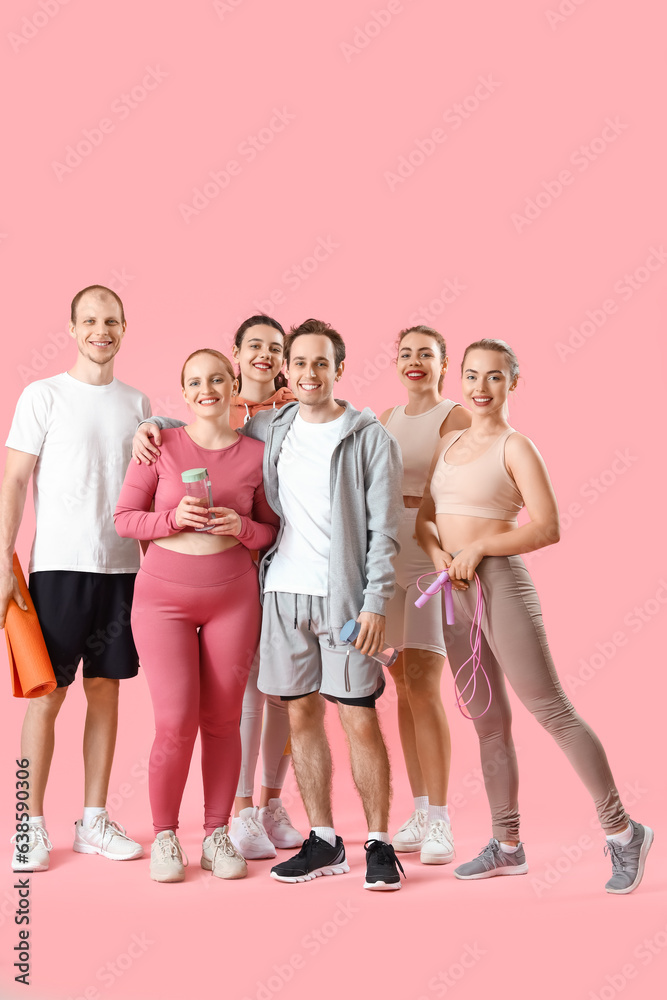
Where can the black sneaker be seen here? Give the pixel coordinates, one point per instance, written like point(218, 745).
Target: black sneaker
point(316, 857)
point(381, 866)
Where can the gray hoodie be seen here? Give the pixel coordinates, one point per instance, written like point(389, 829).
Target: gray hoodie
point(366, 506)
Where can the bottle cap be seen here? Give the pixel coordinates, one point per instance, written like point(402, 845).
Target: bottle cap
point(350, 631)
point(194, 475)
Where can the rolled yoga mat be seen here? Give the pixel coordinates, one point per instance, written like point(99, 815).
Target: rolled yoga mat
point(29, 664)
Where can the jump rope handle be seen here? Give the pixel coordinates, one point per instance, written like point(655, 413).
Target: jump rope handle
point(441, 580)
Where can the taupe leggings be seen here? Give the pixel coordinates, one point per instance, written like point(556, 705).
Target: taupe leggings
point(514, 644)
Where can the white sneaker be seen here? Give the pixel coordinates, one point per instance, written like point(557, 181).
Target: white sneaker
point(36, 858)
point(219, 855)
point(107, 838)
point(438, 846)
point(249, 836)
point(411, 835)
point(280, 831)
point(168, 862)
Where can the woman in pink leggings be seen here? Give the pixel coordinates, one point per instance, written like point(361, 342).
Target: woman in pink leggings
point(196, 610)
point(480, 479)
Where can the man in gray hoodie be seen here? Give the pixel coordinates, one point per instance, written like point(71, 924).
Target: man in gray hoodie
point(333, 474)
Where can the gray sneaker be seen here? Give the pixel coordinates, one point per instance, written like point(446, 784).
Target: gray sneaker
point(492, 860)
point(627, 863)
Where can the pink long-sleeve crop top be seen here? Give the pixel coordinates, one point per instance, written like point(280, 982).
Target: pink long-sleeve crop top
point(236, 476)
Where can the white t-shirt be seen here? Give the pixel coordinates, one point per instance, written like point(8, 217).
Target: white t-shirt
point(82, 435)
point(301, 562)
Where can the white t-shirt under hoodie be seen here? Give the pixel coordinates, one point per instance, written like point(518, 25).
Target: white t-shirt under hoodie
point(82, 435)
point(301, 562)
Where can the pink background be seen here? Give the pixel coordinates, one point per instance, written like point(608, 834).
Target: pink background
point(348, 115)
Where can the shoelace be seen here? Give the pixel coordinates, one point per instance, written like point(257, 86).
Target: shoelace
point(108, 826)
point(222, 842)
point(36, 833)
point(307, 847)
point(281, 817)
point(415, 823)
point(617, 861)
point(489, 855)
point(252, 827)
point(384, 855)
point(170, 849)
point(438, 831)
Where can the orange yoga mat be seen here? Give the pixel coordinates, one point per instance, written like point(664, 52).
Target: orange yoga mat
point(29, 663)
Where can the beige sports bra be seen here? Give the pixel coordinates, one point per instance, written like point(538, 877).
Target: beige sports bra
point(481, 488)
point(418, 437)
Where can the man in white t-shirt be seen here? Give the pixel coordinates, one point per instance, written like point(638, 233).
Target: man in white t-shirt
point(72, 433)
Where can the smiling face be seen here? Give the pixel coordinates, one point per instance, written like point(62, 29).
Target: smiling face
point(260, 356)
point(419, 363)
point(486, 380)
point(312, 369)
point(207, 385)
point(99, 327)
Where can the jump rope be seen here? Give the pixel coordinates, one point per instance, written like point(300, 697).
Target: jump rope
point(441, 582)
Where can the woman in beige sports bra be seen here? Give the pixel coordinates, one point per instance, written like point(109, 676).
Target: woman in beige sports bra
point(417, 634)
point(480, 479)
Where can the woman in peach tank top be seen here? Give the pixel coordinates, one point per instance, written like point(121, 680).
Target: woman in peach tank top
point(480, 479)
point(421, 366)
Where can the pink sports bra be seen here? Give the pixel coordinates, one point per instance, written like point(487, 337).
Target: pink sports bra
point(481, 488)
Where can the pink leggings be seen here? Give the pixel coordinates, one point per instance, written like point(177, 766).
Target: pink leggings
point(196, 622)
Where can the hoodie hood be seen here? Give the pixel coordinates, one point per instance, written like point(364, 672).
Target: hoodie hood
point(241, 410)
point(352, 420)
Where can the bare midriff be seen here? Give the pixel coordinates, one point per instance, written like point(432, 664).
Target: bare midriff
point(412, 501)
point(456, 531)
point(197, 543)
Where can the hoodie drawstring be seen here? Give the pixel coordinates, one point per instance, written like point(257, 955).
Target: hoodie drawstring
point(247, 414)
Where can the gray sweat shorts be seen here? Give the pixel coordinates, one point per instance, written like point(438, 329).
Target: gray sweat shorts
point(295, 657)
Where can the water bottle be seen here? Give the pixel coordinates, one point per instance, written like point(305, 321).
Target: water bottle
point(197, 484)
point(351, 630)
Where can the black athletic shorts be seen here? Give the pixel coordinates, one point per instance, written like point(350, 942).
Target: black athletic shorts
point(86, 616)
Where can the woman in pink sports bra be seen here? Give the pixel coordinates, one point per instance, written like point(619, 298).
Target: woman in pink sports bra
point(480, 478)
point(418, 426)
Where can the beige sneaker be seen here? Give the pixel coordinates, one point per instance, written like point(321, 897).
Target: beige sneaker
point(168, 862)
point(219, 855)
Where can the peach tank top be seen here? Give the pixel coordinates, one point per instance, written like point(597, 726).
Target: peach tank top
point(481, 488)
point(418, 437)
